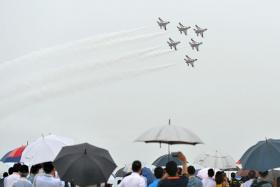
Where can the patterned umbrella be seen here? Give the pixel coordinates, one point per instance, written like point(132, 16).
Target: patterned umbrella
point(14, 155)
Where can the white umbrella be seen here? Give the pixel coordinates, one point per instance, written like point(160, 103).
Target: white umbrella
point(169, 134)
point(44, 149)
point(216, 160)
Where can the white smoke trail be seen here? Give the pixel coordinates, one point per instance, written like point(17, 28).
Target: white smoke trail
point(46, 93)
point(74, 70)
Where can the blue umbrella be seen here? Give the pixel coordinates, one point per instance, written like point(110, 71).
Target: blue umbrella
point(162, 160)
point(263, 156)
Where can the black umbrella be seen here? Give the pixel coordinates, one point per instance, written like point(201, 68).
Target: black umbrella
point(120, 172)
point(84, 164)
point(162, 160)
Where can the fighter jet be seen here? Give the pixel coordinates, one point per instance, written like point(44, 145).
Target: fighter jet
point(183, 29)
point(162, 24)
point(173, 44)
point(189, 61)
point(199, 31)
point(195, 45)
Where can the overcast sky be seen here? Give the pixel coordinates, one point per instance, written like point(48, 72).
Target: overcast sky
point(230, 99)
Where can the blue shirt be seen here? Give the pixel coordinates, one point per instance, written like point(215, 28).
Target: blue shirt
point(22, 182)
point(154, 183)
point(194, 182)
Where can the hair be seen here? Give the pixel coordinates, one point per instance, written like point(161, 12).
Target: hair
point(232, 175)
point(158, 172)
point(252, 174)
point(219, 178)
point(10, 170)
point(263, 173)
point(48, 167)
point(5, 174)
point(16, 167)
point(35, 169)
point(211, 172)
point(136, 166)
point(171, 168)
point(179, 171)
point(191, 170)
point(23, 170)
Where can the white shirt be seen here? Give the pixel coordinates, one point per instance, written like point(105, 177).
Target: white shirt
point(11, 179)
point(46, 180)
point(133, 180)
point(248, 183)
point(22, 182)
point(208, 182)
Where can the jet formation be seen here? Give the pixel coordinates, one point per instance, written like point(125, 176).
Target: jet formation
point(199, 31)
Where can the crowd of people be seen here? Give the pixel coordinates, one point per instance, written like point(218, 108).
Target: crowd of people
point(172, 175)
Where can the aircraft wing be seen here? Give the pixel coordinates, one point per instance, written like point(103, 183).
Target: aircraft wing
point(188, 57)
point(160, 19)
point(197, 27)
point(171, 40)
point(181, 24)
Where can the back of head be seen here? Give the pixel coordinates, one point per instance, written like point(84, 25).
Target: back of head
point(219, 178)
point(136, 166)
point(158, 172)
point(263, 174)
point(252, 174)
point(191, 170)
point(171, 168)
point(48, 167)
point(16, 167)
point(34, 169)
point(5, 174)
point(232, 175)
point(24, 170)
point(11, 171)
point(211, 172)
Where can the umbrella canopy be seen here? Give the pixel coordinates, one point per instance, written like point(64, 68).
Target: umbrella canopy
point(44, 149)
point(162, 160)
point(14, 155)
point(262, 156)
point(84, 164)
point(169, 134)
point(223, 162)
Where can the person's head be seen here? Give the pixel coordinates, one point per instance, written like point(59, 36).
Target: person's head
point(16, 167)
point(232, 175)
point(10, 171)
point(5, 174)
point(263, 174)
point(158, 172)
point(191, 170)
point(252, 174)
point(211, 173)
point(219, 178)
point(136, 166)
point(34, 169)
point(171, 168)
point(23, 170)
point(48, 167)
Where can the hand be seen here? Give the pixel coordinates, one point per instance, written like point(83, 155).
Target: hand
point(182, 157)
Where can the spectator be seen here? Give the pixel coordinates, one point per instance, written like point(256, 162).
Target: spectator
point(193, 180)
point(33, 172)
point(251, 178)
point(135, 179)
point(23, 182)
point(209, 181)
point(172, 179)
point(48, 178)
point(14, 177)
point(234, 182)
point(158, 172)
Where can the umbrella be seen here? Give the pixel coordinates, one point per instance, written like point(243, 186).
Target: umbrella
point(84, 164)
point(162, 160)
point(223, 162)
point(262, 156)
point(44, 149)
point(169, 134)
point(120, 172)
point(14, 155)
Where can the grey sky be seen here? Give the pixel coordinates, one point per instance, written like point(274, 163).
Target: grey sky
point(231, 98)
